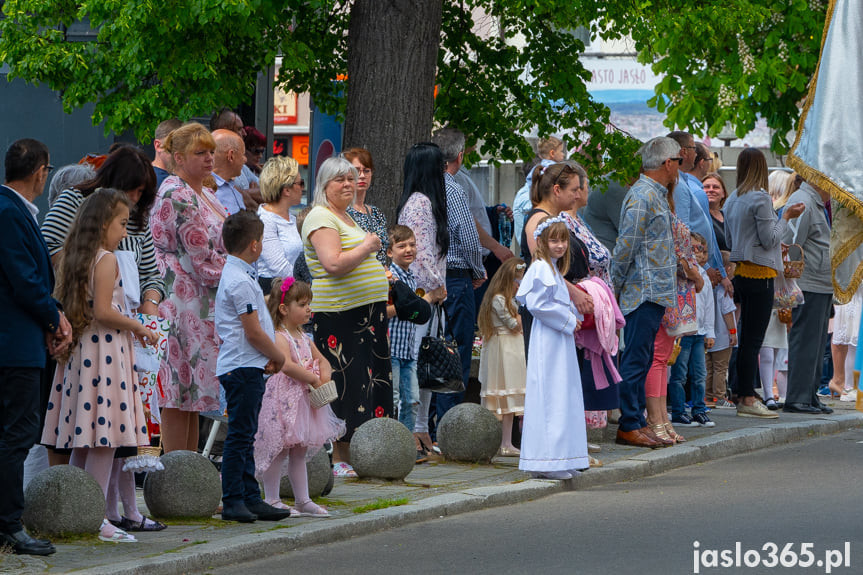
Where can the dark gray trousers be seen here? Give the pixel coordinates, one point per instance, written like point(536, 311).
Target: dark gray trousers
point(806, 347)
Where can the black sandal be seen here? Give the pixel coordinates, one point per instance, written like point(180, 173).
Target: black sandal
point(127, 524)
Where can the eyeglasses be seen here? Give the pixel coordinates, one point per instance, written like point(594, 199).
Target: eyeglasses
point(257, 151)
point(49, 167)
point(678, 160)
point(364, 171)
point(300, 183)
point(689, 147)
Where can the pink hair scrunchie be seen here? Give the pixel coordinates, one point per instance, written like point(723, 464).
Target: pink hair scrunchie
point(286, 285)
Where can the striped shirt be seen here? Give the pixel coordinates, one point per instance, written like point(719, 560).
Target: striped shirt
point(401, 331)
point(59, 219)
point(366, 283)
point(465, 251)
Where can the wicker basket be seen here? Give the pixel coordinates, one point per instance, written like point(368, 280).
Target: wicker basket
point(154, 450)
point(792, 259)
point(323, 395)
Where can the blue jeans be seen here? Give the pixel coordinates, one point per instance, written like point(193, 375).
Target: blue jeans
point(461, 309)
point(691, 361)
point(406, 390)
point(639, 334)
point(244, 389)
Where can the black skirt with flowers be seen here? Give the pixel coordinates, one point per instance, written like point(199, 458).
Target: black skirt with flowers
point(356, 344)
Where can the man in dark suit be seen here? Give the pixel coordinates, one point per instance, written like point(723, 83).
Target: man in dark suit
point(31, 323)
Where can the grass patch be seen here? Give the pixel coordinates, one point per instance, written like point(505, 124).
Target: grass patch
point(71, 538)
point(381, 504)
point(214, 521)
point(328, 502)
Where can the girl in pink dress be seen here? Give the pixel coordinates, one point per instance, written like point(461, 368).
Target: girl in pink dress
point(95, 406)
point(288, 426)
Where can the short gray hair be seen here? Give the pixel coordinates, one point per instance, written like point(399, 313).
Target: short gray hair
point(656, 151)
point(450, 141)
point(331, 169)
point(69, 177)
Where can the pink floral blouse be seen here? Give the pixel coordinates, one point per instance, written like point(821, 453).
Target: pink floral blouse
point(187, 233)
point(429, 267)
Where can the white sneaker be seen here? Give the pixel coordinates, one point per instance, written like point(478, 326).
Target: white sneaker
point(849, 396)
point(757, 409)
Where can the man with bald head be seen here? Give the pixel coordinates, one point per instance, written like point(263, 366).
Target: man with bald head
point(229, 160)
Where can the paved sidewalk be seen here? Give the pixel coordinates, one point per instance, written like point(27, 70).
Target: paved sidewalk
point(431, 490)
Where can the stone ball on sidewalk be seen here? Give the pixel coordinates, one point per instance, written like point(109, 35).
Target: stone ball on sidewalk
point(383, 448)
point(319, 472)
point(63, 499)
point(188, 487)
point(469, 432)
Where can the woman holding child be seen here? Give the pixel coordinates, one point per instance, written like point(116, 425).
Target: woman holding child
point(350, 295)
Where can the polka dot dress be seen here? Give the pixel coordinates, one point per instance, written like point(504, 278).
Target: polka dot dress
point(94, 399)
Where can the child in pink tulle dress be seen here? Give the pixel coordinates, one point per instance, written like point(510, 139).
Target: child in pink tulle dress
point(288, 426)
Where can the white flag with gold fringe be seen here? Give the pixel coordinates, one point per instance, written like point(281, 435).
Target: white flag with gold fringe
point(828, 149)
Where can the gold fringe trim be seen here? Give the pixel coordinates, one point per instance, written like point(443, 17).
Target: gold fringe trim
point(818, 178)
point(840, 294)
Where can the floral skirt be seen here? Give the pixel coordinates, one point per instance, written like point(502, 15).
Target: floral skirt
point(356, 344)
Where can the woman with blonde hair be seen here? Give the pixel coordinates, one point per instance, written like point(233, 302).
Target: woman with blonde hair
point(281, 187)
point(186, 222)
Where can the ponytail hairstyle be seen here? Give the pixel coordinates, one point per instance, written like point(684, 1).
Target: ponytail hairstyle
point(503, 283)
point(546, 177)
point(552, 229)
point(79, 254)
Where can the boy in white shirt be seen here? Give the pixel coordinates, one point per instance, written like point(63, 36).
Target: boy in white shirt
point(691, 360)
point(725, 328)
point(247, 352)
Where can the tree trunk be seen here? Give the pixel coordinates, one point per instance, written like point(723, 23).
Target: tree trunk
point(392, 60)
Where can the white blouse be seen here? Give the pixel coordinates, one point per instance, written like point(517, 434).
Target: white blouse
point(282, 245)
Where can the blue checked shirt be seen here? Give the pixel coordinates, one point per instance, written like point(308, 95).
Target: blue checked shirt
point(644, 265)
point(465, 251)
point(402, 332)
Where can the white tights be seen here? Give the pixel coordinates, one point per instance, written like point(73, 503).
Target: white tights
point(296, 473)
point(121, 487)
point(768, 363)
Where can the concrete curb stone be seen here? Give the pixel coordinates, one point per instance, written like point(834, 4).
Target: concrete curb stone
point(640, 464)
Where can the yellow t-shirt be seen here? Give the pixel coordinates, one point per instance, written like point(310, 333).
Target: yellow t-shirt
point(366, 283)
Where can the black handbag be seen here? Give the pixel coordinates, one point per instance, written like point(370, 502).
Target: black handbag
point(439, 364)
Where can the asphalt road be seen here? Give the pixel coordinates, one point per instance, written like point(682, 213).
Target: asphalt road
point(801, 498)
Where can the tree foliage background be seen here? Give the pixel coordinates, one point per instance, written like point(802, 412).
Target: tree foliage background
point(722, 61)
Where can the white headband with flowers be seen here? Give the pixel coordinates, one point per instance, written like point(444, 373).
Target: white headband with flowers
point(544, 224)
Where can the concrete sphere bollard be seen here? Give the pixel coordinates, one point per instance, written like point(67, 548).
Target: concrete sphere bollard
point(469, 432)
point(63, 500)
point(188, 487)
point(383, 448)
point(319, 473)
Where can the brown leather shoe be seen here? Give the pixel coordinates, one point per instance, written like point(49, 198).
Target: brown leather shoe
point(636, 438)
point(652, 435)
